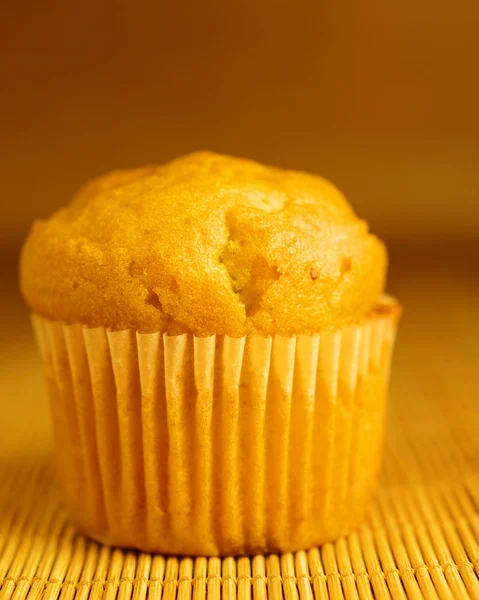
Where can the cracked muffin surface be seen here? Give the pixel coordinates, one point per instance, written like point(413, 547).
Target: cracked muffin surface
point(208, 244)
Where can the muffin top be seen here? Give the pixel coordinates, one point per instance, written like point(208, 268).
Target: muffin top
point(207, 244)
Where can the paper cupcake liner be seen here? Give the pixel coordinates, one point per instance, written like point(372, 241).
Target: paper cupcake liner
point(217, 445)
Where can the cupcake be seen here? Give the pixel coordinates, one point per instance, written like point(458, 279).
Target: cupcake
point(216, 344)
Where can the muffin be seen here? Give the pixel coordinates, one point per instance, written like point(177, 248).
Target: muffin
point(216, 344)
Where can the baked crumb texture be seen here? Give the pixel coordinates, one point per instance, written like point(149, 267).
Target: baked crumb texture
point(208, 244)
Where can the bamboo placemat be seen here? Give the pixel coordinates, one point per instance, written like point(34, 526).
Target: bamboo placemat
point(421, 535)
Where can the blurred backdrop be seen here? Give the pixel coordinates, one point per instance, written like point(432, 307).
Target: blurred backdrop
point(380, 97)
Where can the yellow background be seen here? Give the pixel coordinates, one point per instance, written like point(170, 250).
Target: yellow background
point(380, 97)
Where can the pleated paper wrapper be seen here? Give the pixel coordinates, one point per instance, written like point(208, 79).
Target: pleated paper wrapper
point(217, 445)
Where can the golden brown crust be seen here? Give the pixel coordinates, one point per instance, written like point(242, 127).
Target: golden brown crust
point(205, 243)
